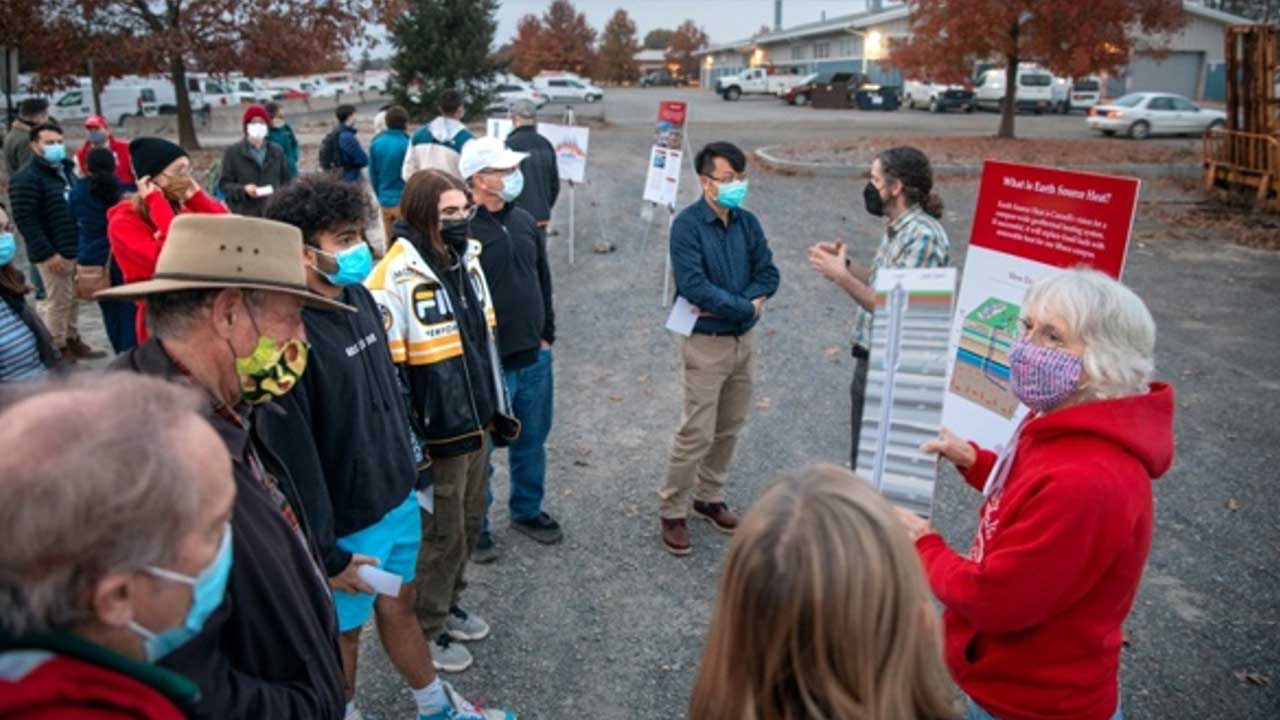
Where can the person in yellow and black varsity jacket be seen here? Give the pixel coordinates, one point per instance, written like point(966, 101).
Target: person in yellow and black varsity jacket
point(440, 322)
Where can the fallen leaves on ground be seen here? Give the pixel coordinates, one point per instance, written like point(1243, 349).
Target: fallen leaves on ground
point(1213, 220)
point(973, 149)
point(764, 404)
point(1254, 678)
point(1234, 505)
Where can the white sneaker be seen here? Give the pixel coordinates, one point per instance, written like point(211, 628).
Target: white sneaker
point(462, 625)
point(463, 710)
point(450, 656)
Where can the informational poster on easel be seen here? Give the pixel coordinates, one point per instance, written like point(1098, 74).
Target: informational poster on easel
point(906, 384)
point(662, 181)
point(570, 143)
point(1030, 221)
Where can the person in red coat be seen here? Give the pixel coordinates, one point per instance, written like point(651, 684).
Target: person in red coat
point(138, 225)
point(91, 606)
point(1034, 611)
point(100, 137)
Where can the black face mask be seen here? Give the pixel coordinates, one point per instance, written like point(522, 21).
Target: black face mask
point(874, 201)
point(454, 234)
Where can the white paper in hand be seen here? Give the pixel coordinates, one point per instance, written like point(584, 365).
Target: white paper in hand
point(682, 318)
point(384, 582)
point(427, 501)
point(265, 190)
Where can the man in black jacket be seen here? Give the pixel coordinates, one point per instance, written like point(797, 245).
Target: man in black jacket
point(253, 168)
point(38, 194)
point(515, 263)
point(541, 175)
point(346, 439)
point(270, 650)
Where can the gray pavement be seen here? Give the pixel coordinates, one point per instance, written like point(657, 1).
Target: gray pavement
point(607, 625)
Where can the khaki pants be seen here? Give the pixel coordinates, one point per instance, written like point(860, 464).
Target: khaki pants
point(389, 217)
point(60, 308)
point(717, 397)
point(449, 536)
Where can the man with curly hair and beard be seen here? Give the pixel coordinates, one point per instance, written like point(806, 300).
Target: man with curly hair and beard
point(348, 444)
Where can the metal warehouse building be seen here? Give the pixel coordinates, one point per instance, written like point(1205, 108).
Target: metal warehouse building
point(1194, 65)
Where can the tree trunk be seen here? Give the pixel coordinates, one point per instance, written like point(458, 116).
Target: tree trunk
point(1009, 107)
point(95, 88)
point(186, 125)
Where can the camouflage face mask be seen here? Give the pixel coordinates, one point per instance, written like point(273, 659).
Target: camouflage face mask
point(270, 370)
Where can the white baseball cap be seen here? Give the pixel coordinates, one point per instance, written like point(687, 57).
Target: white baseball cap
point(487, 152)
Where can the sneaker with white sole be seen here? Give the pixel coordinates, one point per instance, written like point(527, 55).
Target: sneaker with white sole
point(450, 656)
point(462, 625)
point(460, 709)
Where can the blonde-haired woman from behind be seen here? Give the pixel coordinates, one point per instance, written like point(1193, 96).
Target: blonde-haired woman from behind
point(823, 613)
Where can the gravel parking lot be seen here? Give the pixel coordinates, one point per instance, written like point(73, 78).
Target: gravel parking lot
point(608, 625)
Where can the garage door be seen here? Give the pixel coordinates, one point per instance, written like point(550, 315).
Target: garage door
point(1177, 72)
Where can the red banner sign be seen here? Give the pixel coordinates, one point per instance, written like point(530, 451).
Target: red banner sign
point(673, 112)
point(1057, 217)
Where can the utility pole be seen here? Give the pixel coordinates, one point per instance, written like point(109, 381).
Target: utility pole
point(777, 15)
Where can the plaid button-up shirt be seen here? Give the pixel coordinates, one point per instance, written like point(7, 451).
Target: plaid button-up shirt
point(915, 240)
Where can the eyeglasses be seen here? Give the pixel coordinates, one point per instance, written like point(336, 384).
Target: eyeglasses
point(458, 213)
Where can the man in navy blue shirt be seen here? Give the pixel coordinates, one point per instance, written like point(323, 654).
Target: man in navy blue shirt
point(723, 266)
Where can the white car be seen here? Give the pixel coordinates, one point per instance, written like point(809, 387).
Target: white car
point(509, 91)
point(246, 91)
point(565, 87)
point(1141, 115)
point(937, 97)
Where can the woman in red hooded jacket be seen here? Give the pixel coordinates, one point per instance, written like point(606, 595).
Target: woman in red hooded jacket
point(1034, 610)
point(138, 225)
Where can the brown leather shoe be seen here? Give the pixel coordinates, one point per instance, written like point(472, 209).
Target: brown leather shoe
point(77, 349)
point(675, 536)
point(718, 514)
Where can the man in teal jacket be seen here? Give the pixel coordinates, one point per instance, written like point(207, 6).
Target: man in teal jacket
point(386, 157)
point(281, 134)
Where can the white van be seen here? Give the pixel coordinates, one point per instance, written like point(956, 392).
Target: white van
point(1086, 93)
point(567, 87)
point(119, 103)
point(206, 93)
point(246, 91)
point(1034, 92)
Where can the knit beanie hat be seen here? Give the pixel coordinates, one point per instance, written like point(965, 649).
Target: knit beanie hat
point(151, 155)
point(255, 112)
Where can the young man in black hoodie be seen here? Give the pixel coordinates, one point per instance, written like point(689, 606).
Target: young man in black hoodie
point(346, 438)
point(515, 263)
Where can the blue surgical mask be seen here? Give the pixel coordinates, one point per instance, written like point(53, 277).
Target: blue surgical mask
point(207, 591)
point(731, 194)
point(354, 265)
point(98, 137)
point(512, 186)
point(8, 248)
point(54, 154)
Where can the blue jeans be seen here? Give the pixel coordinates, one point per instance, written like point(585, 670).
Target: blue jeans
point(532, 393)
point(974, 712)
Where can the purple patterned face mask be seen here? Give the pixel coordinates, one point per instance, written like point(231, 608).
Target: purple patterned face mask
point(1043, 377)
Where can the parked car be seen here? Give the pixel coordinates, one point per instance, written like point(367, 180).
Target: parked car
point(937, 97)
point(246, 91)
point(206, 93)
point(1034, 91)
point(119, 101)
point(567, 87)
point(1141, 115)
point(755, 81)
point(800, 93)
point(1085, 93)
point(510, 90)
point(661, 78)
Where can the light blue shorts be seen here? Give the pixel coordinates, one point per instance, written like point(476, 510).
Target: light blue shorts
point(394, 541)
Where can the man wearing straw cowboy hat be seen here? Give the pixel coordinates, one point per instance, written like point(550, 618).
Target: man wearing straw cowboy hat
point(225, 312)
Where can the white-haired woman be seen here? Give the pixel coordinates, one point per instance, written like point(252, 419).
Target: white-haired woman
point(1034, 611)
point(114, 548)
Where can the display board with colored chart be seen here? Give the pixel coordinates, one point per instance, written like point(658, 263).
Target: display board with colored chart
point(1029, 222)
point(906, 383)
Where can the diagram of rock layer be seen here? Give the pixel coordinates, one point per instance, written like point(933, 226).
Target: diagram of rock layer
point(981, 372)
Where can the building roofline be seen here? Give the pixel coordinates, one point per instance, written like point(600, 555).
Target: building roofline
point(1212, 14)
point(820, 27)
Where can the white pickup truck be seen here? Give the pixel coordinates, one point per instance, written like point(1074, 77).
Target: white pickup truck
point(755, 81)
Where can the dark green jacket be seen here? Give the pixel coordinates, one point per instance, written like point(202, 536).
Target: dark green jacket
point(288, 142)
